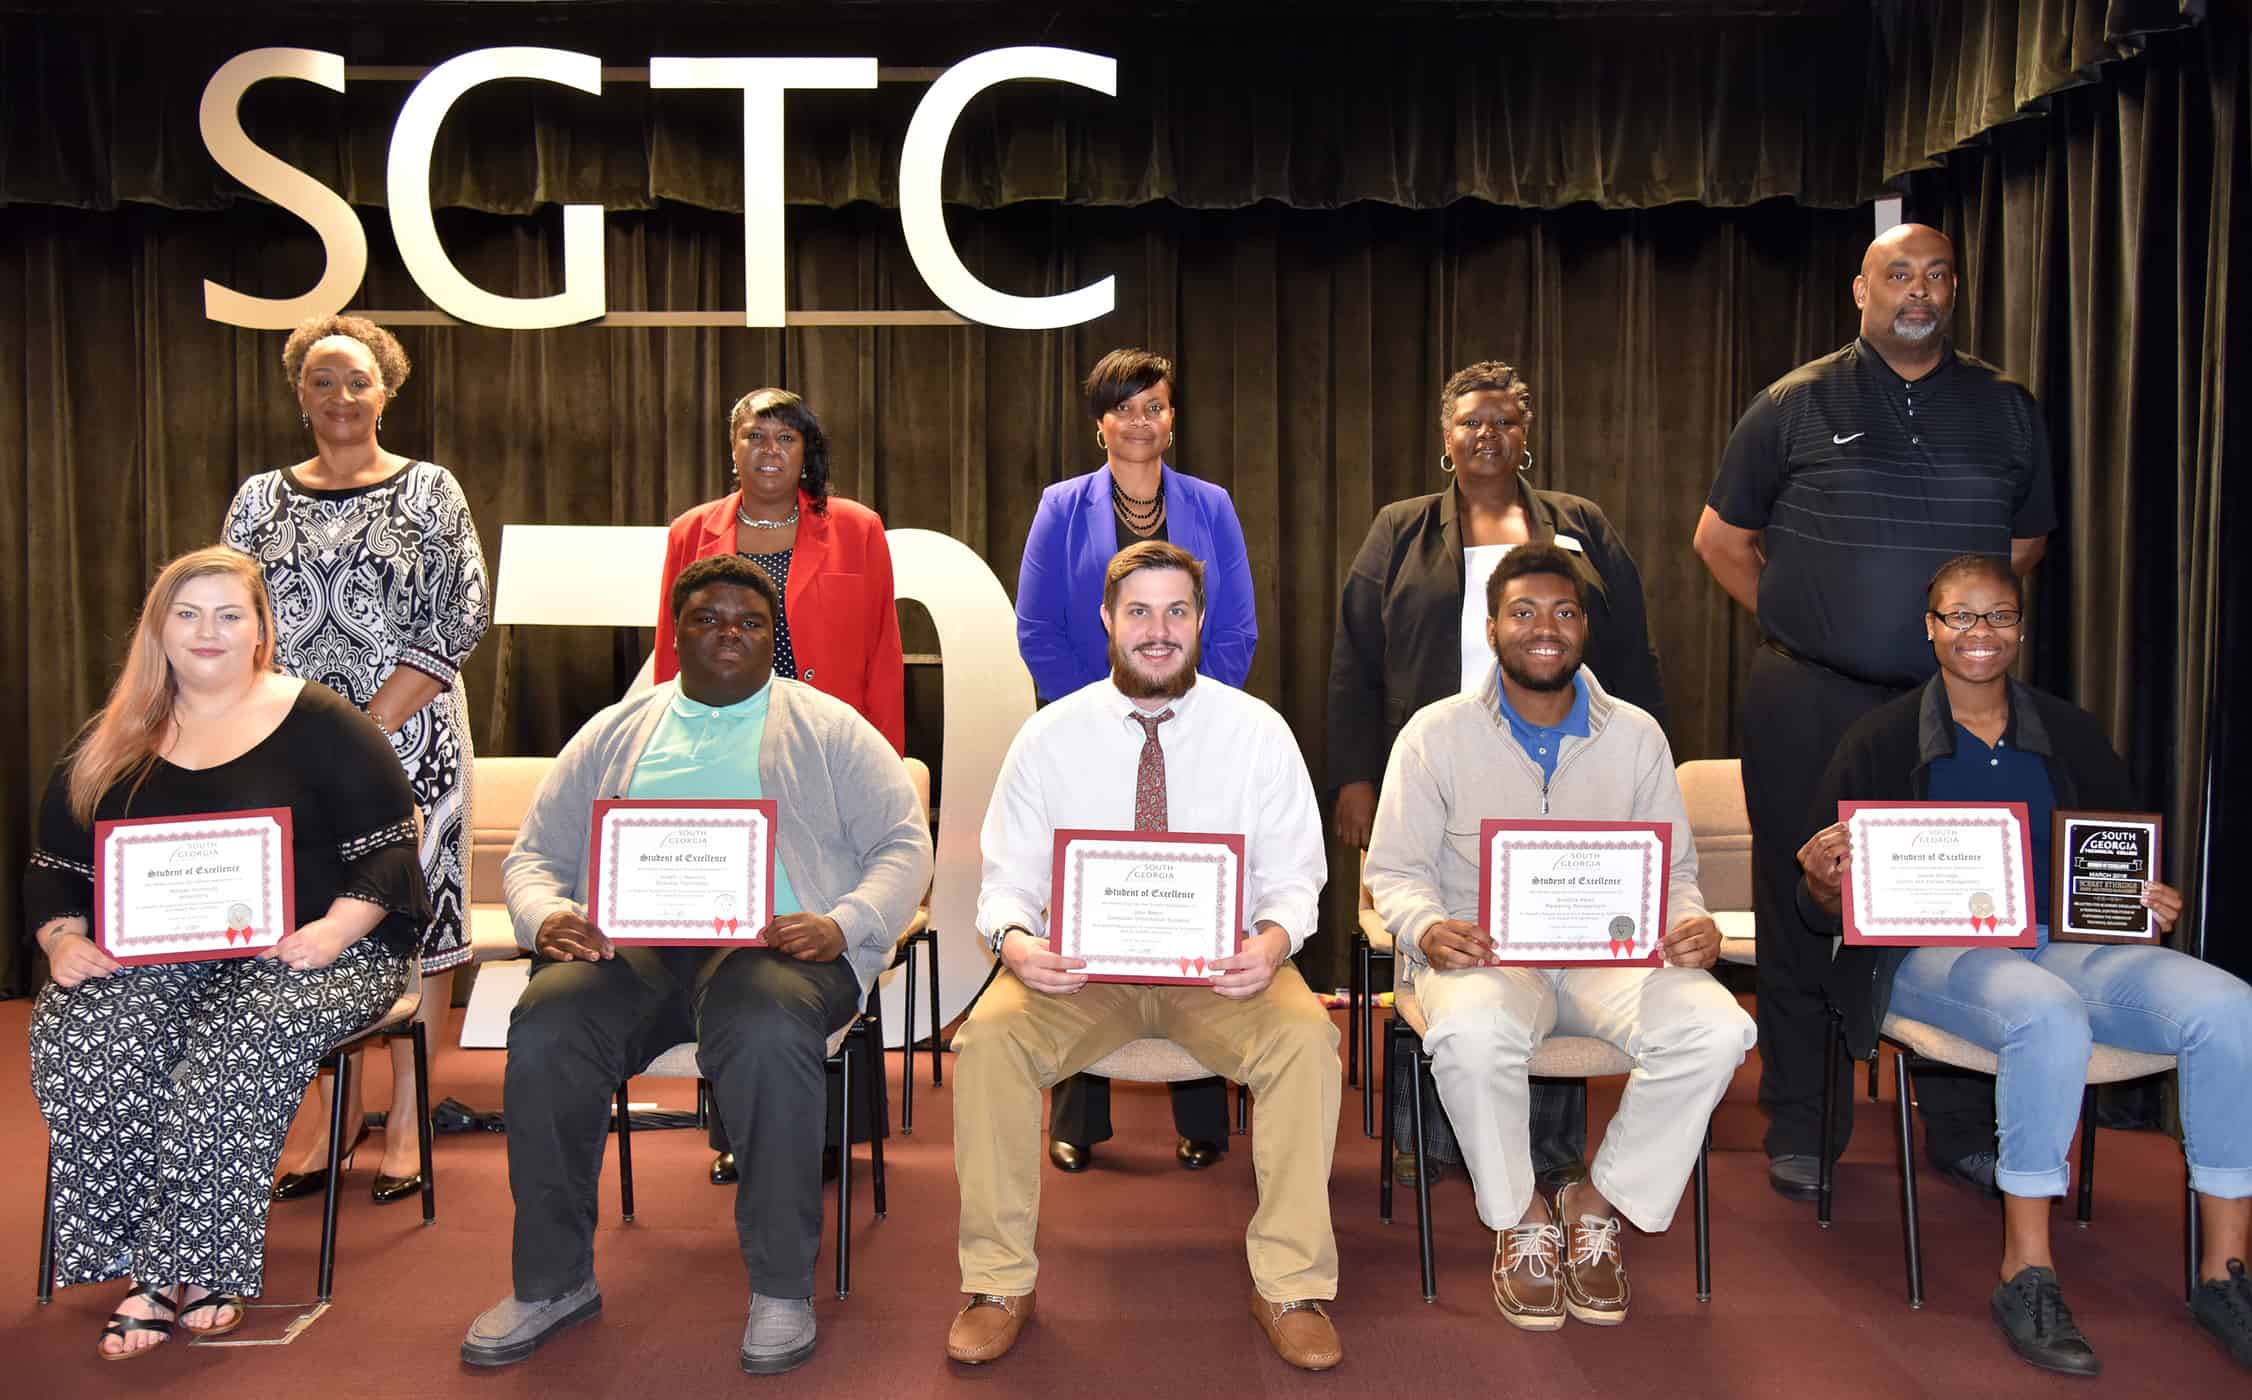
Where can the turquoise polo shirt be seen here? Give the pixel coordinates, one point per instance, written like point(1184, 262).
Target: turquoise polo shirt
point(711, 751)
point(1542, 743)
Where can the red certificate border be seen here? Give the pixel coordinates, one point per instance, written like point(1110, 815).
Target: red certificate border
point(1661, 876)
point(1222, 940)
point(604, 806)
point(104, 872)
point(2018, 886)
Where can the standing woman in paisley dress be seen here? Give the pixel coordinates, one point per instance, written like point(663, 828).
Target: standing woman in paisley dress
point(379, 594)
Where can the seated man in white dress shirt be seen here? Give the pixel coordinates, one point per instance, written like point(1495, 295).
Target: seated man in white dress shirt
point(1154, 747)
point(1543, 739)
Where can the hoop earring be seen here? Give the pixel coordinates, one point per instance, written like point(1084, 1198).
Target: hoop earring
point(1524, 468)
point(1099, 440)
point(1446, 463)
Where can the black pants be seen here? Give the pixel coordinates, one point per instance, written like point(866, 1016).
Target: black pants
point(1079, 1110)
point(1794, 716)
point(761, 1021)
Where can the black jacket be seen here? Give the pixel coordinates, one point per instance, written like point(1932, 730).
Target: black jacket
point(1887, 756)
point(1399, 625)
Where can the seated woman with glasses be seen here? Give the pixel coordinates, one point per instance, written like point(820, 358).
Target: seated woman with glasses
point(1972, 734)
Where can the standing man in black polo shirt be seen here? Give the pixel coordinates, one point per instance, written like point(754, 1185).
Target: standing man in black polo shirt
point(1845, 484)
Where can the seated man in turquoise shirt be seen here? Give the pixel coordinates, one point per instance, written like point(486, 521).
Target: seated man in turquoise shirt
point(853, 859)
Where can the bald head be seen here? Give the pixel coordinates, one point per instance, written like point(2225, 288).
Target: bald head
point(1906, 292)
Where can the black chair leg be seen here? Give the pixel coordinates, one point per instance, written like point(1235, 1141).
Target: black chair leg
point(938, 1073)
point(1384, 1140)
point(1704, 1219)
point(422, 1122)
point(907, 1048)
point(873, 1084)
point(871, 1064)
point(1828, 1167)
point(843, 1063)
point(2086, 1205)
point(1911, 1233)
point(341, 1096)
point(1872, 1079)
point(1372, 1091)
point(47, 1237)
point(1354, 994)
point(625, 1153)
point(1242, 1108)
point(1416, 1060)
point(2193, 1244)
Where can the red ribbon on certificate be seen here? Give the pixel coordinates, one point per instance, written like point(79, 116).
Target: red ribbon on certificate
point(1989, 921)
point(726, 926)
point(1622, 947)
point(235, 933)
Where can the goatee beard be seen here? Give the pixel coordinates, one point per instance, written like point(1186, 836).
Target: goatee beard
point(1135, 686)
point(1562, 681)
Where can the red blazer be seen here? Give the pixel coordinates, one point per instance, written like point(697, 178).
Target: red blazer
point(843, 627)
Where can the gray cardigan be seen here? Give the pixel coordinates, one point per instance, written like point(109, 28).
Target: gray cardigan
point(852, 837)
point(1456, 764)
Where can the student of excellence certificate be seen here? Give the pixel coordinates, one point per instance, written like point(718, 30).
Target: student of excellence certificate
point(1574, 893)
point(1932, 874)
point(1147, 906)
point(682, 872)
point(179, 889)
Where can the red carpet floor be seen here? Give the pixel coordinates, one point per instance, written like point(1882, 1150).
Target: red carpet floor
point(1143, 1290)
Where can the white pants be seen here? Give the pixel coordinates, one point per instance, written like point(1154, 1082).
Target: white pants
point(1684, 1030)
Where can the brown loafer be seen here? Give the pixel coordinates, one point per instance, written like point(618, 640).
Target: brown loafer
point(987, 1326)
point(1595, 1286)
point(1528, 1276)
point(1301, 1333)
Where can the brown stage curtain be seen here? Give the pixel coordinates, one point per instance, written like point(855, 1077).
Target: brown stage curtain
point(1311, 346)
point(1957, 69)
point(2107, 260)
point(1220, 113)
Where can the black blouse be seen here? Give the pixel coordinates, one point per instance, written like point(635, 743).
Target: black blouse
point(351, 819)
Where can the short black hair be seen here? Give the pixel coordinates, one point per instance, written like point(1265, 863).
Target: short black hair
point(1538, 558)
point(792, 411)
point(1988, 566)
point(1120, 375)
point(1485, 374)
point(724, 568)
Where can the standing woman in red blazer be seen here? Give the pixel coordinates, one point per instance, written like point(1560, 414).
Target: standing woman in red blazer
point(839, 632)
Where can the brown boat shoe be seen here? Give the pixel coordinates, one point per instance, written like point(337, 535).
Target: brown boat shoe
point(1528, 1276)
point(987, 1326)
point(1300, 1332)
point(1595, 1286)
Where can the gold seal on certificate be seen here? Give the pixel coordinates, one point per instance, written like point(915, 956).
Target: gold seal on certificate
point(1574, 894)
point(2103, 860)
point(177, 889)
point(685, 872)
point(1936, 874)
point(1147, 906)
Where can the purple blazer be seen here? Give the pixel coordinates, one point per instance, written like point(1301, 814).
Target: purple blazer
point(1060, 583)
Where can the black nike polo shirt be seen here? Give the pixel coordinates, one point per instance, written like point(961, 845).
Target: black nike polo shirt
point(1864, 483)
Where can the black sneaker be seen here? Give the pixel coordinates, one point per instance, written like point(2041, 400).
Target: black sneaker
point(1975, 1170)
point(2224, 1308)
point(2030, 1311)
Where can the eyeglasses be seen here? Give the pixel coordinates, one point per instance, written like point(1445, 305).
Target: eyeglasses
point(1962, 619)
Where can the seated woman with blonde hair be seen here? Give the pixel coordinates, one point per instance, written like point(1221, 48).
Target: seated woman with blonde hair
point(169, 1086)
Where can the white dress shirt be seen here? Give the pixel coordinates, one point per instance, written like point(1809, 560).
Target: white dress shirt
point(1231, 766)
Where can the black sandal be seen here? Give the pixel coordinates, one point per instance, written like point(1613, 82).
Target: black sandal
point(121, 1325)
point(216, 1302)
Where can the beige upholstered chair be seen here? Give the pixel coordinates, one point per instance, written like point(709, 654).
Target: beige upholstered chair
point(1713, 791)
point(1558, 1057)
point(501, 794)
point(1154, 1060)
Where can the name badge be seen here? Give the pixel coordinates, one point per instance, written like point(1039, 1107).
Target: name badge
point(1567, 542)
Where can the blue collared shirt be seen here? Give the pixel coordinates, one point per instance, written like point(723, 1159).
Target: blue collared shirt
point(2003, 772)
point(1542, 744)
point(706, 751)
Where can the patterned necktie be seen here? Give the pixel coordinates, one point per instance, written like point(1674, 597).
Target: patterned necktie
point(1149, 776)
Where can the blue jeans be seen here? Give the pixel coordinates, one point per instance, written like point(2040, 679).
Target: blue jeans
point(2039, 1009)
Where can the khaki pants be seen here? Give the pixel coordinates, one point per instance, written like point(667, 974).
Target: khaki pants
point(1281, 1043)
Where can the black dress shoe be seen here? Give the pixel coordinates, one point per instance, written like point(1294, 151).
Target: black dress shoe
point(293, 1185)
point(1070, 1157)
point(723, 1169)
point(1796, 1175)
point(2030, 1311)
point(395, 1188)
point(1196, 1156)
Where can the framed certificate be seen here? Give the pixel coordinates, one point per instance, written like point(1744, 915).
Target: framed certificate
point(1147, 906)
point(1939, 875)
point(682, 872)
point(1574, 894)
point(2101, 862)
point(179, 889)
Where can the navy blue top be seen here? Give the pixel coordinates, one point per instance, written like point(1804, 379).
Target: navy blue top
point(2002, 772)
point(1543, 742)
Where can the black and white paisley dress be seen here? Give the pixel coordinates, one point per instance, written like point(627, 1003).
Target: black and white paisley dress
point(367, 579)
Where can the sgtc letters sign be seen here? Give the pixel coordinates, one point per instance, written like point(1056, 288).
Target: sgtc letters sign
point(764, 83)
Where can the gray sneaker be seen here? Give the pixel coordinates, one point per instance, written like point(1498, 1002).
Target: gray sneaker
point(778, 1336)
point(513, 1329)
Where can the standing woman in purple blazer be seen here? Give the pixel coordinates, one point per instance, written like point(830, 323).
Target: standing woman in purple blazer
point(1082, 522)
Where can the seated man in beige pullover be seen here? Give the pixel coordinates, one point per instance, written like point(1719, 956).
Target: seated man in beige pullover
point(1543, 739)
